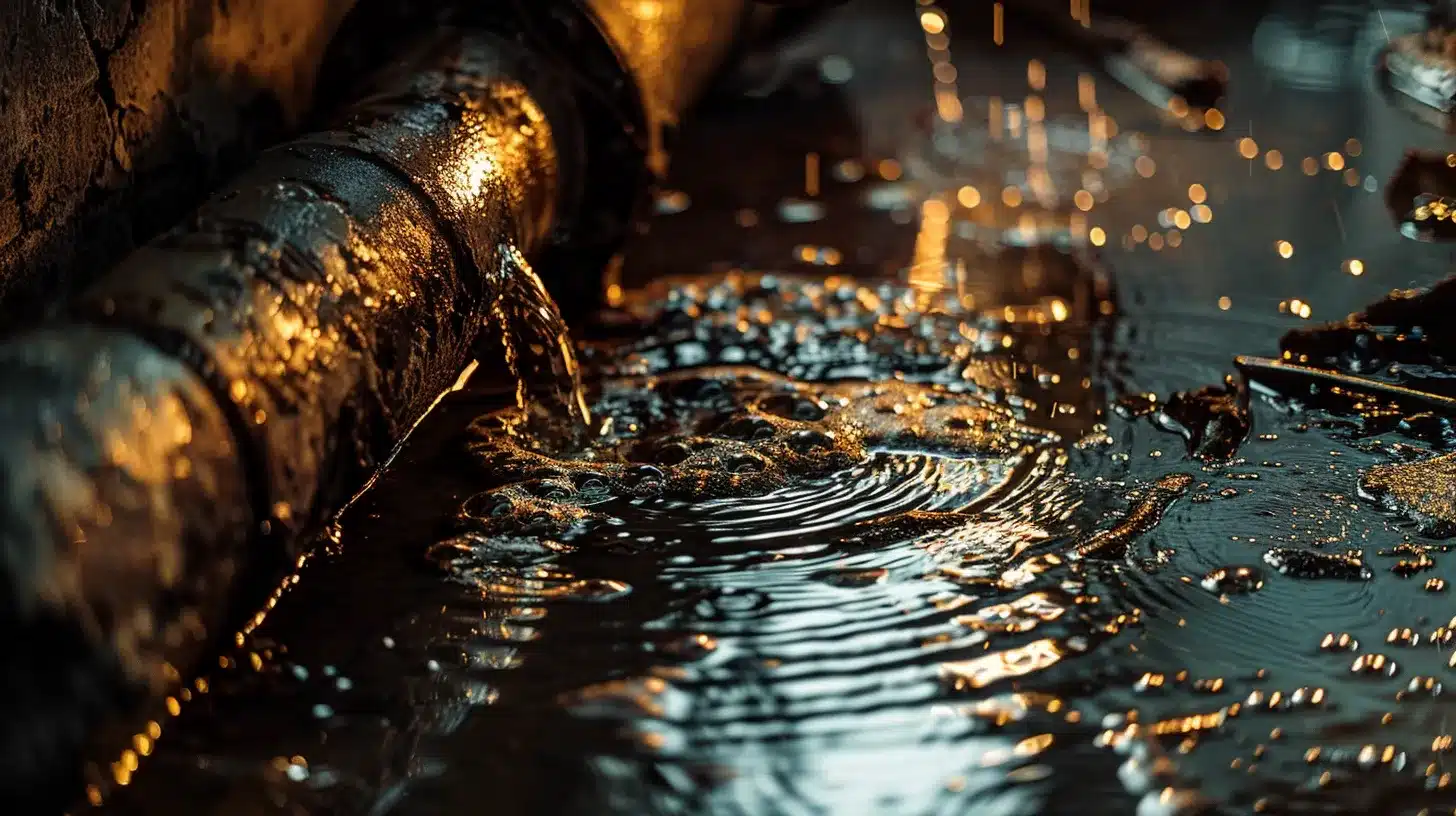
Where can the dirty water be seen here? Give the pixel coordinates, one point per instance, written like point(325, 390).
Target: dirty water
point(1003, 530)
point(830, 548)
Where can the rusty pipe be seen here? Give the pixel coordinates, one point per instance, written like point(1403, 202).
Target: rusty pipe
point(167, 443)
point(230, 384)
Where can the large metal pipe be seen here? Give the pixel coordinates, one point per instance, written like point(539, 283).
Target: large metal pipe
point(229, 386)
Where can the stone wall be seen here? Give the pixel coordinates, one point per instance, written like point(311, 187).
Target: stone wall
point(117, 116)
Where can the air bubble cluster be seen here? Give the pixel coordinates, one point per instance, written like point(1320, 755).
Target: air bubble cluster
point(722, 432)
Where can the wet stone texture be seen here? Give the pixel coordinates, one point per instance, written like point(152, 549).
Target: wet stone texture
point(158, 101)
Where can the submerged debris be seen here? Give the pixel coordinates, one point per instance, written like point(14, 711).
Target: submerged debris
point(1301, 563)
point(1213, 421)
point(746, 384)
point(1423, 177)
point(719, 432)
point(1406, 328)
point(1144, 516)
point(1233, 580)
point(1424, 491)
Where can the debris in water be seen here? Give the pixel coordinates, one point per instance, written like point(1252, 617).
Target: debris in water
point(1213, 421)
point(1430, 218)
point(1374, 665)
point(759, 432)
point(1425, 491)
point(1233, 580)
point(1143, 517)
point(1421, 174)
point(1301, 563)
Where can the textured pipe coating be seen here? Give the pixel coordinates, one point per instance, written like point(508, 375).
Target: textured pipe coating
point(242, 374)
point(124, 519)
point(336, 288)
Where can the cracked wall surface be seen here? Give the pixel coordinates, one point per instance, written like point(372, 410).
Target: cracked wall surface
point(117, 116)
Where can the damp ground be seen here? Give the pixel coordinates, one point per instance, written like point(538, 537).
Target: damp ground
point(897, 496)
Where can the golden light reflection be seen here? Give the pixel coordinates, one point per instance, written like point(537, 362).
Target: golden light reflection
point(1285, 249)
point(1197, 194)
point(1224, 303)
point(612, 280)
point(1038, 148)
point(473, 173)
point(928, 268)
point(1295, 307)
point(1274, 160)
point(1248, 148)
point(932, 21)
point(1355, 267)
point(969, 197)
point(1086, 92)
point(1035, 108)
point(979, 672)
point(1214, 119)
point(948, 104)
point(1334, 161)
point(1031, 746)
point(1082, 12)
point(1097, 236)
point(998, 24)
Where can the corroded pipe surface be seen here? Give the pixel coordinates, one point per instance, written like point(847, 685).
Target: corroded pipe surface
point(125, 513)
point(235, 380)
point(169, 439)
point(335, 289)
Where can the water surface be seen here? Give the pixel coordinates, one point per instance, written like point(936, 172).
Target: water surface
point(888, 501)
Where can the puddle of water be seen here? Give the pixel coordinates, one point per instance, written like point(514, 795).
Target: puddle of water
point(851, 545)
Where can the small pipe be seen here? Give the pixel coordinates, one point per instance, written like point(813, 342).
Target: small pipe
point(1282, 379)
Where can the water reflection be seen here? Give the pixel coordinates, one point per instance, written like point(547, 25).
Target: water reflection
point(847, 544)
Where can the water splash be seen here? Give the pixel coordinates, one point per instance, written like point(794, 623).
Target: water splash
point(538, 349)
